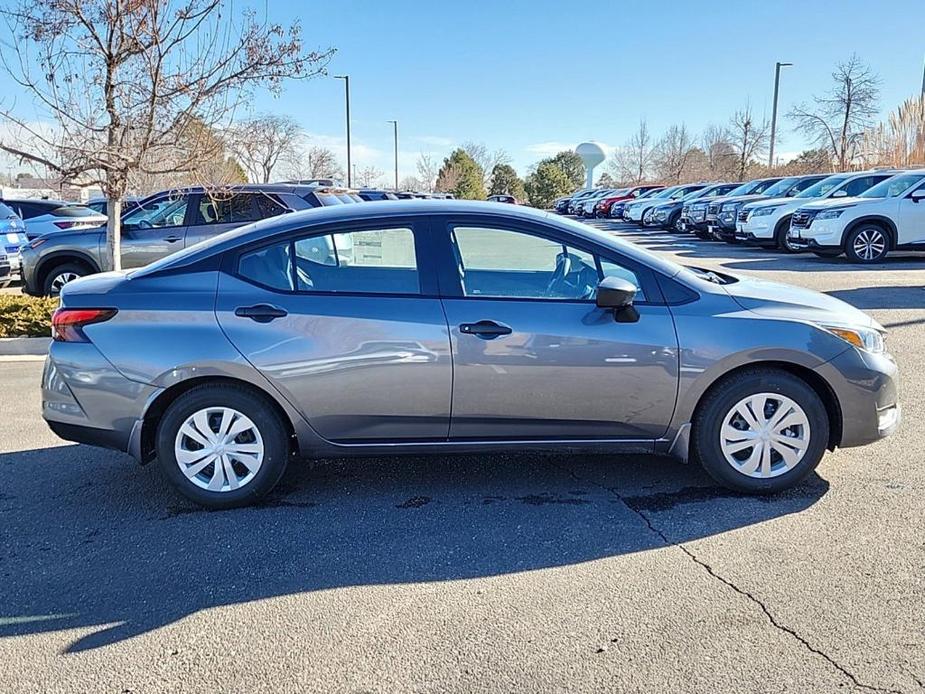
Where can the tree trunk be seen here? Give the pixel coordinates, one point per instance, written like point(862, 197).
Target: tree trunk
point(114, 233)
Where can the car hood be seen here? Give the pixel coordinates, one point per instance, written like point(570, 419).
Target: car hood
point(778, 300)
point(838, 202)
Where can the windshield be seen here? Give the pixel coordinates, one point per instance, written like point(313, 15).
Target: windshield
point(743, 189)
point(665, 193)
point(6, 212)
point(651, 193)
point(779, 189)
point(700, 192)
point(893, 187)
point(817, 190)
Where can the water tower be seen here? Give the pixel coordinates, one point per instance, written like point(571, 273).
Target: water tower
point(591, 154)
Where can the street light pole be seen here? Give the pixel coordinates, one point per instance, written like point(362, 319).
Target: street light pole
point(777, 67)
point(395, 128)
point(346, 79)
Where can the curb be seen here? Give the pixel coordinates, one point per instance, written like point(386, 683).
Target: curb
point(24, 346)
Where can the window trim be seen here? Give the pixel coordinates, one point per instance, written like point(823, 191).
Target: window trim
point(451, 285)
point(418, 225)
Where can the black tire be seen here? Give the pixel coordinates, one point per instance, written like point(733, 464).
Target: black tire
point(674, 223)
point(780, 237)
point(867, 243)
point(721, 399)
point(258, 410)
point(51, 286)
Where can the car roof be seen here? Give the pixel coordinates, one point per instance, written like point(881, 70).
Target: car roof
point(50, 204)
point(293, 221)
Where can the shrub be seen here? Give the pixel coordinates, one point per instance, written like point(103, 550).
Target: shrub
point(26, 316)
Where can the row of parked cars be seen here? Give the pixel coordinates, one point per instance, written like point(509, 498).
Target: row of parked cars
point(863, 214)
point(49, 243)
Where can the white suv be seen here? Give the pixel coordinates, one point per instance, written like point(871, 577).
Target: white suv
point(890, 216)
point(766, 222)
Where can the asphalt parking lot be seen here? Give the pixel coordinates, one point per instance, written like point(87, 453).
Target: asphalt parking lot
point(478, 573)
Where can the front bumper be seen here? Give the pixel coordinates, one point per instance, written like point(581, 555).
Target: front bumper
point(821, 233)
point(866, 389)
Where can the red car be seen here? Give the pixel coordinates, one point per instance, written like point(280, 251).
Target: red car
point(602, 208)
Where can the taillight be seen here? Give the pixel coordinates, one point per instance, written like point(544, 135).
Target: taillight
point(67, 324)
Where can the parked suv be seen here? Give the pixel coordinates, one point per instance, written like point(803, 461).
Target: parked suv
point(766, 222)
point(12, 237)
point(889, 216)
point(162, 224)
point(668, 214)
point(603, 206)
point(636, 212)
point(48, 216)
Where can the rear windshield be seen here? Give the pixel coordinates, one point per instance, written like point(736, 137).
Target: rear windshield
point(817, 190)
point(328, 200)
point(893, 187)
point(73, 211)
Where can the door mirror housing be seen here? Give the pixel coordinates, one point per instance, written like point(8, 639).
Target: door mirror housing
point(918, 195)
point(617, 295)
point(840, 194)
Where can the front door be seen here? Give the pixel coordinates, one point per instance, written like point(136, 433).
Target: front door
point(912, 218)
point(347, 325)
point(535, 358)
point(154, 230)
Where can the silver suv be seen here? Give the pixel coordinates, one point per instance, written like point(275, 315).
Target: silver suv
point(160, 225)
point(441, 326)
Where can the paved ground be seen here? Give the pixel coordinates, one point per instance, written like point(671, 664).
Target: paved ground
point(515, 573)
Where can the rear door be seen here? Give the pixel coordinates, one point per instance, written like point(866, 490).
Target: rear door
point(534, 357)
point(220, 211)
point(345, 321)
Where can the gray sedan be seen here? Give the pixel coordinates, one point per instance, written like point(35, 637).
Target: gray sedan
point(442, 326)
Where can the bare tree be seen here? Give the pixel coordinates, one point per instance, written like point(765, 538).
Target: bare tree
point(720, 155)
point(413, 183)
point(748, 137)
point(137, 87)
point(486, 159)
point(427, 173)
point(837, 121)
point(672, 153)
point(369, 176)
point(900, 141)
point(633, 162)
point(261, 143)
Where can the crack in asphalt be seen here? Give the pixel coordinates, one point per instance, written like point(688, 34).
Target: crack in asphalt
point(741, 591)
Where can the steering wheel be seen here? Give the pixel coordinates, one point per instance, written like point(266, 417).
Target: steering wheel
point(563, 268)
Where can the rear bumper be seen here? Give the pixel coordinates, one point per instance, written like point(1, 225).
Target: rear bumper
point(85, 399)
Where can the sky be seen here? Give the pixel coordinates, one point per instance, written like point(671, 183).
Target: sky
point(534, 77)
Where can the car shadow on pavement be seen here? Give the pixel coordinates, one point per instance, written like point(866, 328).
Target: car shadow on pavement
point(867, 298)
point(90, 541)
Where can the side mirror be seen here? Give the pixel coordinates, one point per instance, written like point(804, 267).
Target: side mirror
point(617, 295)
point(918, 195)
point(840, 194)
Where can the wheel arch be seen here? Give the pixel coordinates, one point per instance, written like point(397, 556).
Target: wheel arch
point(159, 404)
point(809, 376)
point(881, 221)
point(58, 258)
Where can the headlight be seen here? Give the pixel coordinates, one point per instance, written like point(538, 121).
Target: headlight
point(730, 207)
point(764, 211)
point(830, 214)
point(868, 339)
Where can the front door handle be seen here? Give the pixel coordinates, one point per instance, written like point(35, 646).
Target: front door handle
point(173, 239)
point(262, 313)
point(486, 329)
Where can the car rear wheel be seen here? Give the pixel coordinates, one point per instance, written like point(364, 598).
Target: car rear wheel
point(868, 243)
point(760, 431)
point(61, 275)
point(222, 446)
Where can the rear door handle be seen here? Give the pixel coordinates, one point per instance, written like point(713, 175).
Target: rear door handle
point(262, 313)
point(173, 239)
point(486, 329)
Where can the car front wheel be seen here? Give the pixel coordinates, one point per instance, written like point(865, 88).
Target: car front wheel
point(760, 431)
point(61, 275)
point(868, 243)
point(222, 446)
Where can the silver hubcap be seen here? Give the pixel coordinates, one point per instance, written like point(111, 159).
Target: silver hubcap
point(60, 280)
point(765, 435)
point(869, 244)
point(219, 449)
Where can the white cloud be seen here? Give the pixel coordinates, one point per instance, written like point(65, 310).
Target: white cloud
point(547, 149)
point(432, 140)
